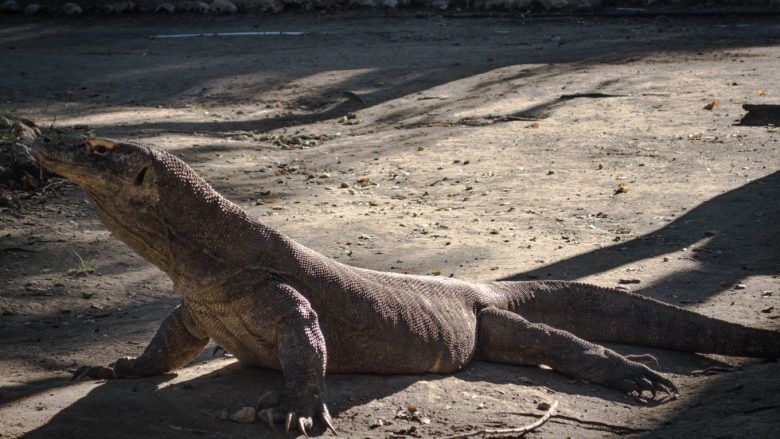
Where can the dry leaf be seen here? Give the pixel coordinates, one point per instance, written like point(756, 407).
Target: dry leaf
point(711, 105)
point(762, 92)
point(621, 189)
point(533, 125)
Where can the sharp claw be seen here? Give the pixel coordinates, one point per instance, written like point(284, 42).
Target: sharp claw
point(302, 427)
point(269, 417)
point(288, 424)
point(327, 420)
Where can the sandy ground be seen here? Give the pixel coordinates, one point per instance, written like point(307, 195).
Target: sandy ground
point(480, 148)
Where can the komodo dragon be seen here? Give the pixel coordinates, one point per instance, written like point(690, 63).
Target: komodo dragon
point(274, 303)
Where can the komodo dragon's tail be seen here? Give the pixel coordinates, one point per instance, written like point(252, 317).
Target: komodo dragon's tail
point(608, 315)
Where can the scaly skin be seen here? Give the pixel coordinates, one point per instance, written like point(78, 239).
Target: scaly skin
point(274, 303)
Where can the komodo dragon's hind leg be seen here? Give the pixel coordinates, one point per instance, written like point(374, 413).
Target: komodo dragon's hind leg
point(506, 337)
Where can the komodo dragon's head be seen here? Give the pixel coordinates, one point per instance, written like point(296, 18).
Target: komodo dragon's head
point(103, 168)
point(137, 191)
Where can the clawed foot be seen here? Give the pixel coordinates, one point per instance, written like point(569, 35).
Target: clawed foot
point(88, 373)
point(638, 378)
point(122, 367)
point(301, 419)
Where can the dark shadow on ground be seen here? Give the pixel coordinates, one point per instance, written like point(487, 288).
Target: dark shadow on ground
point(742, 404)
point(760, 115)
point(138, 409)
point(746, 237)
point(420, 54)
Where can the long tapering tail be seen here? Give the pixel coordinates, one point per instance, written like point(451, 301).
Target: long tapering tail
point(608, 315)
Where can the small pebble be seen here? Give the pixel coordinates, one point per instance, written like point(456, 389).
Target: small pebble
point(165, 8)
point(71, 9)
point(32, 9)
point(223, 7)
point(245, 415)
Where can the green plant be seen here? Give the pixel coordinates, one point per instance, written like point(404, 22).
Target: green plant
point(84, 267)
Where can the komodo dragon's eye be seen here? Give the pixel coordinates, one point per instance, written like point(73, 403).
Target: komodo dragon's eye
point(100, 147)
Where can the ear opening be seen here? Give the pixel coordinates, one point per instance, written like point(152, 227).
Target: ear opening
point(139, 178)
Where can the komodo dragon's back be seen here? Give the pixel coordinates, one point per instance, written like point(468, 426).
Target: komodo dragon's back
point(273, 302)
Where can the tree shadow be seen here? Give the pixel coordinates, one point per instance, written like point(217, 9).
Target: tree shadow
point(732, 405)
point(745, 234)
point(379, 64)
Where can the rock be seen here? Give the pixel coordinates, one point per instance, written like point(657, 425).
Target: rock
point(32, 9)
point(245, 415)
point(9, 7)
point(440, 4)
point(223, 7)
point(185, 6)
point(22, 157)
point(273, 6)
point(120, 7)
point(200, 7)
point(24, 133)
point(71, 9)
point(165, 8)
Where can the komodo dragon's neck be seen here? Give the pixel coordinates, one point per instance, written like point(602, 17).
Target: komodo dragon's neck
point(199, 238)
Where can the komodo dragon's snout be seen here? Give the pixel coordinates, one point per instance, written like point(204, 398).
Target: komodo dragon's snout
point(272, 302)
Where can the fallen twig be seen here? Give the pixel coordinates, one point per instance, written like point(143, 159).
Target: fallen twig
point(603, 426)
point(713, 370)
point(516, 430)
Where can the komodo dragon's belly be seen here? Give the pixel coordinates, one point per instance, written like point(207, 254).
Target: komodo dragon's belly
point(398, 325)
point(239, 333)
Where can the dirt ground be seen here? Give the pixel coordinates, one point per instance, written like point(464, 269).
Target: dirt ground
point(480, 147)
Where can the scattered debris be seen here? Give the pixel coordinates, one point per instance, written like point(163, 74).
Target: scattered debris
point(711, 106)
point(621, 189)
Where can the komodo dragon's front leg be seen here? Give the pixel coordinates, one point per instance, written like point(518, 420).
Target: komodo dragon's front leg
point(302, 356)
point(506, 337)
point(176, 343)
